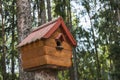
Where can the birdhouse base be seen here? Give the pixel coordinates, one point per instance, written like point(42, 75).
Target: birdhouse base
point(46, 67)
point(45, 57)
point(47, 61)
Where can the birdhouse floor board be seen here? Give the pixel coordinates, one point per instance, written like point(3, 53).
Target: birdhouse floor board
point(48, 66)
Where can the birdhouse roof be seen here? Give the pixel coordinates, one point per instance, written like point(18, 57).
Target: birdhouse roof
point(46, 30)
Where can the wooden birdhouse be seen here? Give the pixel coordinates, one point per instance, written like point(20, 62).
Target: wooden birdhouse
point(49, 46)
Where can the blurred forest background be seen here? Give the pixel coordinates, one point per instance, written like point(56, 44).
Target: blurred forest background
point(95, 25)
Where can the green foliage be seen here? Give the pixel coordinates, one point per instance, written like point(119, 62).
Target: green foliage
point(10, 30)
point(64, 75)
point(60, 7)
point(114, 50)
point(101, 36)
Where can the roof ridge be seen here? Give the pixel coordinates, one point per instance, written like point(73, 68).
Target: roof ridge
point(43, 25)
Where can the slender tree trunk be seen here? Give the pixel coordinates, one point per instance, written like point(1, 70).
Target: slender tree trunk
point(3, 53)
point(118, 13)
point(38, 11)
point(12, 58)
point(3, 45)
point(41, 12)
point(13, 48)
point(75, 65)
point(96, 51)
point(49, 10)
point(69, 18)
point(33, 13)
point(73, 70)
point(24, 27)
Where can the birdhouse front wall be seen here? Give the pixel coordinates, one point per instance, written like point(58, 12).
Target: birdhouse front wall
point(45, 52)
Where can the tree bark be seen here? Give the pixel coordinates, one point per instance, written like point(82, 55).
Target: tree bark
point(23, 18)
point(69, 17)
point(75, 65)
point(49, 10)
point(24, 28)
point(13, 44)
point(41, 12)
point(46, 75)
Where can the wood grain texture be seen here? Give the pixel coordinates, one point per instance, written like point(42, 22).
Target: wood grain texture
point(46, 60)
point(34, 62)
point(58, 53)
point(50, 42)
point(66, 62)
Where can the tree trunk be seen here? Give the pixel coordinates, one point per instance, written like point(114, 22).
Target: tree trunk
point(96, 51)
point(46, 75)
point(13, 45)
point(75, 65)
point(118, 13)
point(69, 17)
point(49, 10)
point(24, 27)
point(12, 58)
point(71, 73)
point(23, 18)
point(3, 45)
point(41, 12)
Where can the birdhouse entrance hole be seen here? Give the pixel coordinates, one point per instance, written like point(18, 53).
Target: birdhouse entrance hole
point(58, 43)
point(59, 39)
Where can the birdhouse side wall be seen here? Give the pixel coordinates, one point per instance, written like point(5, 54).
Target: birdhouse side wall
point(58, 57)
point(31, 53)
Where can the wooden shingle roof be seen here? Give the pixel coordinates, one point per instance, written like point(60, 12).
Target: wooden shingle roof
point(46, 30)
